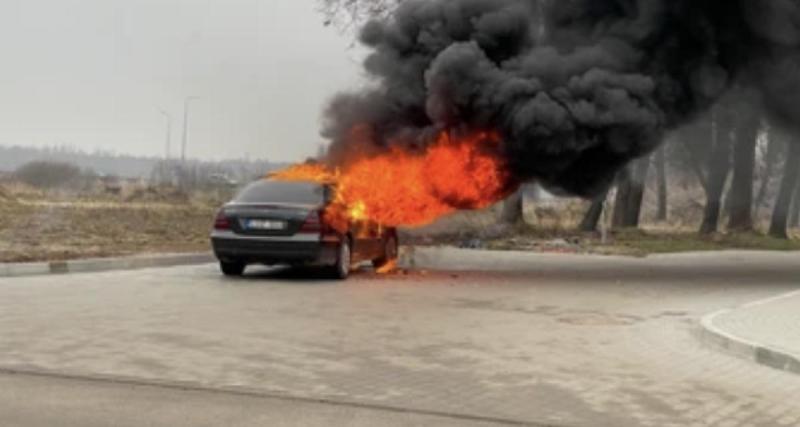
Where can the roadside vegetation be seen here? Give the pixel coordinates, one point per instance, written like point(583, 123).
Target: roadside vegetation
point(53, 211)
point(93, 217)
point(54, 204)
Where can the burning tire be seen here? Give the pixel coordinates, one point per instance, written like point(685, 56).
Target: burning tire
point(389, 258)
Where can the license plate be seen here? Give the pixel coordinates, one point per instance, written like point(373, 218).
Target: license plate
point(265, 224)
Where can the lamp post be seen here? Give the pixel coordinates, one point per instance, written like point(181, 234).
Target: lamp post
point(186, 103)
point(168, 146)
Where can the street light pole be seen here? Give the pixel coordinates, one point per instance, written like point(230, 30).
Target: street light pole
point(186, 103)
point(168, 147)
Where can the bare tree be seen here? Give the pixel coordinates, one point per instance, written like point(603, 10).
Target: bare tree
point(773, 151)
point(740, 194)
point(592, 218)
point(622, 195)
point(718, 168)
point(794, 215)
point(634, 209)
point(661, 172)
point(780, 216)
point(630, 194)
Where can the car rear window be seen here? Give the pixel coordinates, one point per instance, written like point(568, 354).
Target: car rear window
point(300, 193)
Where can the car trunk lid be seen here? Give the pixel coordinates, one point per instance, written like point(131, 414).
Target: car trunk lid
point(268, 219)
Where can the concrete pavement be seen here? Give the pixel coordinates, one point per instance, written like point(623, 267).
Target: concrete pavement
point(47, 401)
point(94, 265)
point(570, 342)
point(766, 331)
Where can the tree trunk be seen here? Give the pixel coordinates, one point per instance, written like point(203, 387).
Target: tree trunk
point(744, 161)
point(794, 217)
point(593, 215)
point(719, 165)
point(770, 161)
point(780, 216)
point(695, 163)
point(630, 194)
point(633, 211)
point(661, 170)
point(624, 180)
point(512, 209)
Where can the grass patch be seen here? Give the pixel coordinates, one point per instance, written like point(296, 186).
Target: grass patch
point(640, 242)
point(44, 230)
point(633, 242)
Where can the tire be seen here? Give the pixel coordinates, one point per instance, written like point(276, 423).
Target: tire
point(232, 269)
point(390, 252)
point(344, 257)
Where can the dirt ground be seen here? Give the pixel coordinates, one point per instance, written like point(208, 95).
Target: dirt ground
point(38, 227)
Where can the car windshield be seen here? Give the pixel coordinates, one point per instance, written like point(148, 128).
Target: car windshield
point(301, 193)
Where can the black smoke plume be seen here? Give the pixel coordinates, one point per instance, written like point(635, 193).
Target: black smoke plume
point(576, 88)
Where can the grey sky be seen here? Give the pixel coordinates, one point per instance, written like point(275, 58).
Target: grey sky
point(94, 73)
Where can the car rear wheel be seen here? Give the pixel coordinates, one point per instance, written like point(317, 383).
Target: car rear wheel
point(344, 259)
point(234, 269)
point(390, 252)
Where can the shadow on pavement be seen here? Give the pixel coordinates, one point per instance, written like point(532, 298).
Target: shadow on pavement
point(301, 275)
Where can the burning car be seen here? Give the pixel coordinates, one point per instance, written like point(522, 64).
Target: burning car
point(275, 222)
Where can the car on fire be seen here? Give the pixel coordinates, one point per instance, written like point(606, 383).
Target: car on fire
point(273, 222)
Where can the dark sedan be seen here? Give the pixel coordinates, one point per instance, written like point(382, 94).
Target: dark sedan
point(282, 223)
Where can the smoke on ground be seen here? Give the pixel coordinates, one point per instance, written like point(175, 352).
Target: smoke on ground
point(576, 88)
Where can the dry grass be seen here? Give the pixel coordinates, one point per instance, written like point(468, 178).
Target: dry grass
point(654, 241)
point(36, 226)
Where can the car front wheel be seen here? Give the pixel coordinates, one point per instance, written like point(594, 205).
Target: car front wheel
point(233, 269)
point(343, 260)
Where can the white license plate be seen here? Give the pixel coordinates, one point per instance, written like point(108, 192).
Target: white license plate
point(265, 224)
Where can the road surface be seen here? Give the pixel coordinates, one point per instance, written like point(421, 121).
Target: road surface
point(184, 346)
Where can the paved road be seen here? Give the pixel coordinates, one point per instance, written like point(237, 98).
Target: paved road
point(48, 401)
point(773, 322)
point(549, 347)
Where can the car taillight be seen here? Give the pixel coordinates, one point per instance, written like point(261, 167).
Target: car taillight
point(222, 222)
point(312, 224)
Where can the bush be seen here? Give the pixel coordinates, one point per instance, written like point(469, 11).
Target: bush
point(49, 175)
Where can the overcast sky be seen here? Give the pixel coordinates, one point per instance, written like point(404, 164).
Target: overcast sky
point(93, 74)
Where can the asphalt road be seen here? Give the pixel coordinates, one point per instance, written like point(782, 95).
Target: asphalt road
point(183, 346)
point(47, 401)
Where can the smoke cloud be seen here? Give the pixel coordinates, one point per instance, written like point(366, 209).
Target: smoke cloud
point(575, 88)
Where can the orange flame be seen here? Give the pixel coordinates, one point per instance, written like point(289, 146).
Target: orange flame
point(404, 187)
point(389, 267)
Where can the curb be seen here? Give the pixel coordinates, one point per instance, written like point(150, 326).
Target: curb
point(459, 259)
point(95, 265)
point(751, 350)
